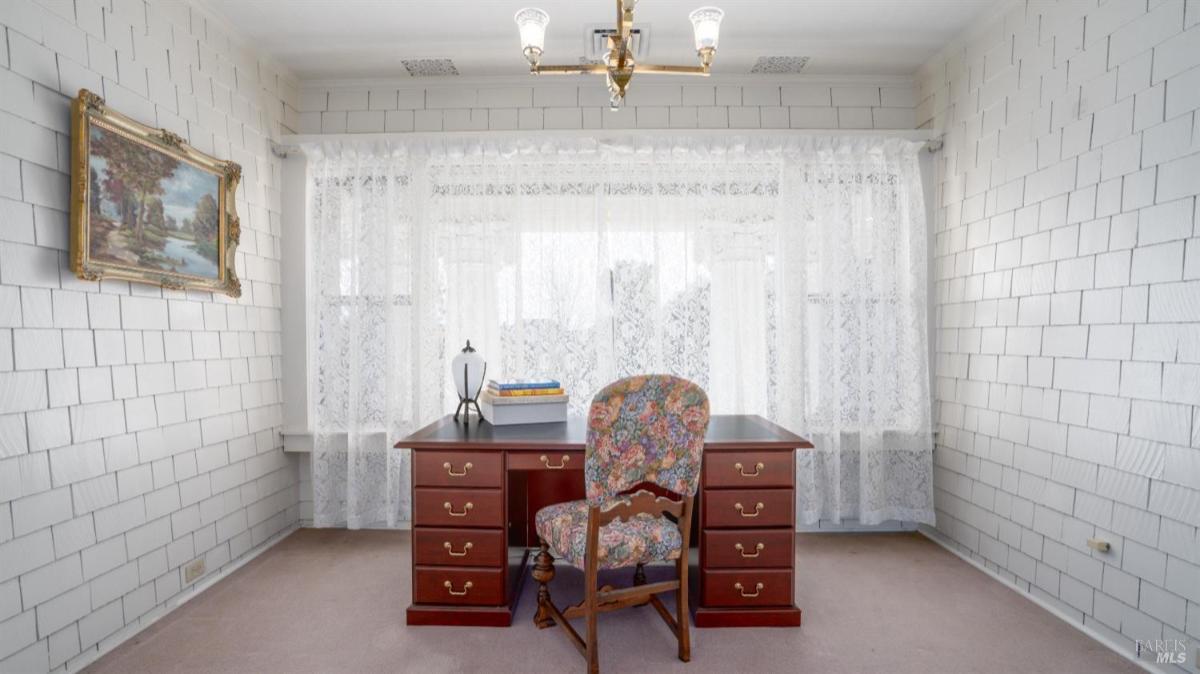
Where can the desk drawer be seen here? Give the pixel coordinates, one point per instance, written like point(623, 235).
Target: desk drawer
point(749, 469)
point(458, 507)
point(549, 460)
point(459, 547)
point(458, 469)
point(758, 548)
point(448, 585)
point(751, 587)
point(748, 508)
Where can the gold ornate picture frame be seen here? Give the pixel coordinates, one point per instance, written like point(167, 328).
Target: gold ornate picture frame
point(148, 207)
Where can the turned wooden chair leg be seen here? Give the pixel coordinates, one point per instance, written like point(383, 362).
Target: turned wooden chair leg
point(543, 573)
point(593, 642)
point(681, 611)
point(591, 587)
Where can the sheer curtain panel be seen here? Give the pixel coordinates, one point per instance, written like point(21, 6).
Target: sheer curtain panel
point(786, 275)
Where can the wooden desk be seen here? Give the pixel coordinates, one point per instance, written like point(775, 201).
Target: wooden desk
point(477, 488)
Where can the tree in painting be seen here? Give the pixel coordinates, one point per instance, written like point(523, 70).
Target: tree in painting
point(94, 192)
point(140, 172)
point(151, 210)
point(205, 224)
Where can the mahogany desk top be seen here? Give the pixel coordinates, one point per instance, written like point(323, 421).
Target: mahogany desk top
point(725, 431)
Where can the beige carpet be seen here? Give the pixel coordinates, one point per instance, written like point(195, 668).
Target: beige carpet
point(334, 600)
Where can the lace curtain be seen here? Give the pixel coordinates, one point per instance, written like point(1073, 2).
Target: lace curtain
point(786, 275)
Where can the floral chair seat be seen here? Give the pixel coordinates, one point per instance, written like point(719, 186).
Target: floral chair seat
point(641, 540)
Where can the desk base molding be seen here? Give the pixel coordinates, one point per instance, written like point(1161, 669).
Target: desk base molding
point(460, 616)
point(746, 617)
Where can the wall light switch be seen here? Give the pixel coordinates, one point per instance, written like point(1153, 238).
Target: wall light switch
point(193, 571)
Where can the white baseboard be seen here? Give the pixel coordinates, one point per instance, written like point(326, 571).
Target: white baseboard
point(937, 537)
point(400, 526)
point(823, 528)
point(130, 631)
point(853, 527)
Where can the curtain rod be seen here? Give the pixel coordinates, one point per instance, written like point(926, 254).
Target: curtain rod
point(289, 143)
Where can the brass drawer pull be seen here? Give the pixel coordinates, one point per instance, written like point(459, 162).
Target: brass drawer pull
point(757, 469)
point(468, 585)
point(561, 464)
point(757, 509)
point(748, 555)
point(466, 548)
point(450, 469)
point(450, 509)
point(737, 586)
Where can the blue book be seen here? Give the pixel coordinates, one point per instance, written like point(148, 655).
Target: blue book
point(521, 384)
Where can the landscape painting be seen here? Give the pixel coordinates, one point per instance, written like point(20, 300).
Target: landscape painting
point(148, 207)
point(151, 210)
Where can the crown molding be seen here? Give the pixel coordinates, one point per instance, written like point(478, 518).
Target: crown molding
point(576, 80)
point(236, 36)
point(972, 30)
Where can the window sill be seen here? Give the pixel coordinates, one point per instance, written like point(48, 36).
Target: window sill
point(297, 441)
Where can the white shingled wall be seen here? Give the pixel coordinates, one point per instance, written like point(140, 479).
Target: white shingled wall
point(582, 103)
point(1067, 285)
point(139, 427)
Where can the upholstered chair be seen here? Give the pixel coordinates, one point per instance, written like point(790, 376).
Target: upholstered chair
point(644, 429)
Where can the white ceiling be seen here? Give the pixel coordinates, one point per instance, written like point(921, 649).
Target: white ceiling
point(368, 39)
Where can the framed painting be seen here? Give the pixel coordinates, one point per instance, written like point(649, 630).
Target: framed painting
point(148, 207)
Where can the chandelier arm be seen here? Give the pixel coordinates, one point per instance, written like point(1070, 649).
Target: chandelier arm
point(597, 69)
point(651, 69)
point(589, 69)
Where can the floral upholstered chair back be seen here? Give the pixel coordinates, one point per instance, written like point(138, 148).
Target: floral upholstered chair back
point(648, 428)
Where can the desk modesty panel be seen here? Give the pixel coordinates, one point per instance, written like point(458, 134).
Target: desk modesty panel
point(477, 488)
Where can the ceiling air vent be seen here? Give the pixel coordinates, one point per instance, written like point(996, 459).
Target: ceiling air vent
point(595, 39)
point(776, 65)
point(430, 67)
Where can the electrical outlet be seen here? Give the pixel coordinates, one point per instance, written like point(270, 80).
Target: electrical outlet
point(193, 571)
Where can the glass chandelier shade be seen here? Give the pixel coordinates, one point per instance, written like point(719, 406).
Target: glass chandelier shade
point(532, 22)
point(706, 27)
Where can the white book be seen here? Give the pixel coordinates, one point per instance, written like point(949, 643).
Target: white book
point(525, 413)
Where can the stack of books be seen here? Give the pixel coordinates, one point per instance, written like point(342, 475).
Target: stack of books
point(523, 401)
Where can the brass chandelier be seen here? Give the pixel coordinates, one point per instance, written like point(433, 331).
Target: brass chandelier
point(618, 66)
